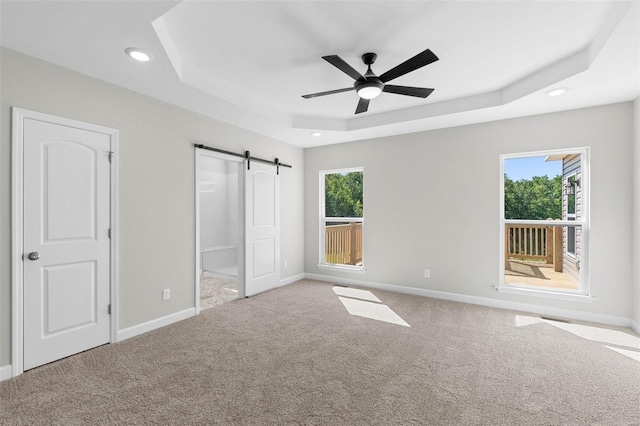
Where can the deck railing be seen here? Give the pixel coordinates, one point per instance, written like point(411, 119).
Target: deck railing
point(343, 244)
point(531, 242)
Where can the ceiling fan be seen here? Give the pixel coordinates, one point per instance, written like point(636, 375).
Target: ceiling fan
point(370, 85)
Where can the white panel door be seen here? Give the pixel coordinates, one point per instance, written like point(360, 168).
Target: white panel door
point(66, 241)
point(262, 237)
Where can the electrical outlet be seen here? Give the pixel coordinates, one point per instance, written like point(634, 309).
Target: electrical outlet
point(166, 294)
point(427, 273)
point(285, 264)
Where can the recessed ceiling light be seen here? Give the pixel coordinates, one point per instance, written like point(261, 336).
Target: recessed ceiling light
point(137, 54)
point(557, 92)
point(316, 134)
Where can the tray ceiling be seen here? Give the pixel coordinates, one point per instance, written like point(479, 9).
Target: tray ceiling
point(248, 63)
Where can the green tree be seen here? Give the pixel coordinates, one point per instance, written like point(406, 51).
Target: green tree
point(538, 198)
point(343, 195)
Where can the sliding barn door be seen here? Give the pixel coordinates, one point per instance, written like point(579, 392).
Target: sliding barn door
point(262, 236)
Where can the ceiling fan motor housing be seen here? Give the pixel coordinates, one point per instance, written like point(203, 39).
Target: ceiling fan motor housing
point(371, 85)
point(369, 58)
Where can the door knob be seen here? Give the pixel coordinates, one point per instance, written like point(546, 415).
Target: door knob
point(34, 255)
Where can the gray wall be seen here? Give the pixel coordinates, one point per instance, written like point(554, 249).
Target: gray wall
point(431, 200)
point(157, 178)
point(636, 214)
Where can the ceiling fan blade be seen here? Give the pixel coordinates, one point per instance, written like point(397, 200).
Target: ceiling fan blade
point(418, 92)
point(328, 92)
point(363, 105)
point(339, 63)
point(418, 61)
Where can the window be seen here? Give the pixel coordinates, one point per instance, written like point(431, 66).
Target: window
point(543, 223)
point(341, 219)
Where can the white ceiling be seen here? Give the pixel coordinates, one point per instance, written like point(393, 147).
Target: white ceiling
point(249, 62)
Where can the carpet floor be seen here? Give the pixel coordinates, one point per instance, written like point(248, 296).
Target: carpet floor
point(296, 356)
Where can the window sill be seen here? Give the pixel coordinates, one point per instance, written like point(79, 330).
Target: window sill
point(342, 268)
point(547, 294)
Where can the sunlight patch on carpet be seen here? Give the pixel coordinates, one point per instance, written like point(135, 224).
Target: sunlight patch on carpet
point(596, 334)
point(523, 320)
point(376, 311)
point(356, 294)
point(631, 354)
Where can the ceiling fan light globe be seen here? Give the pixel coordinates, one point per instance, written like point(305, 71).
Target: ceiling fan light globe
point(369, 89)
point(369, 92)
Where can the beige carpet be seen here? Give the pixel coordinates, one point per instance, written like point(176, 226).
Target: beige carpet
point(296, 356)
point(216, 290)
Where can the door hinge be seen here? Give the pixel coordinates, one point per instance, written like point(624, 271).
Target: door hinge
point(109, 309)
point(110, 155)
point(109, 233)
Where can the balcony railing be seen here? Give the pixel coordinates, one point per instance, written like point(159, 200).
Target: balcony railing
point(343, 244)
point(534, 242)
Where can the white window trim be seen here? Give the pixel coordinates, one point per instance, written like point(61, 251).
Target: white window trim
point(323, 220)
point(341, 268)
point(547, 294)
point(584, 294)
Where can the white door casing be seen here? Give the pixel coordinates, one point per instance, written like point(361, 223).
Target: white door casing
point(66, 198)
point(262, 228)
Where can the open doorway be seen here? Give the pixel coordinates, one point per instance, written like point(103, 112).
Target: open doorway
point(219, 229)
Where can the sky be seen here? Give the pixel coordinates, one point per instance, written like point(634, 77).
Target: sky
point(526, 168)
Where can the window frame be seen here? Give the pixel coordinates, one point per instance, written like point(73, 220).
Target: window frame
point(322, 264)
point(582, 294)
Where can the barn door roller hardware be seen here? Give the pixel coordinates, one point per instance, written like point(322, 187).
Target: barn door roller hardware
point(247, 156)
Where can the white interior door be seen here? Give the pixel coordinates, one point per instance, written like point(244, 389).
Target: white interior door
point(262, 234)
point(66, 241)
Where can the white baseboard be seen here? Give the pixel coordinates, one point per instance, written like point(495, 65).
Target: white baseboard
point(635, 326)
point(483, 301)
point(127, 333)
point(291, 279)
point(6, 372)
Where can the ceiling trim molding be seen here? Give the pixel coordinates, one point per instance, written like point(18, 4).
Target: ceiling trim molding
point(254, 113)
point(613, 19)
point(169, 46)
